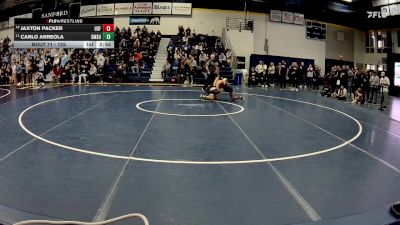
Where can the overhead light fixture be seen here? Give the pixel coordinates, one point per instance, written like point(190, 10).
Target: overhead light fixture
point(339, 7)
point(349, 1)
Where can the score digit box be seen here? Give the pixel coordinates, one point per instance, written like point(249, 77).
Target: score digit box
point(108, 36)
point(108, 28)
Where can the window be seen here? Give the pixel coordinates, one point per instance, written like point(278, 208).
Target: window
point(398, 38)
point(370, 42)
point(378, 41)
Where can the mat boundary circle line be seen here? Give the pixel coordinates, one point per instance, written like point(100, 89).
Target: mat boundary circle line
point(9, 92)
point(188, 115)
point(20, 117)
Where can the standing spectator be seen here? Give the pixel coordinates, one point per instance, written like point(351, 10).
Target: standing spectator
point(100, 62)
point(374, 87)
point(21, 73)
point(181, 31)
point(64, 60)
point(188, 31)
point(263, 77)
point(385, 83)
point(259, 71)
point(302, 70)
point(310, 76)
point(365, 83)
point(56, 60)
point(271, 74)
point(293, 77)
point(14, 72)
point(283, 75)
point(315, 79)
point(350, 78)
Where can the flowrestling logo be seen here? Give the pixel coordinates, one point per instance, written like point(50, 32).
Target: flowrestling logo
point(386, 11)
point(374, 14)
point(144, 20)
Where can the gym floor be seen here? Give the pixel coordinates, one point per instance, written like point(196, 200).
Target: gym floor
point(280, 157)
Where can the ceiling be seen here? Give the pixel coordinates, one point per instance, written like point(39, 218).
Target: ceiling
point(352, 14)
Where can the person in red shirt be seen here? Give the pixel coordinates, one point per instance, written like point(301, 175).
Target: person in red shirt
point(57, 73)
point(138, 57)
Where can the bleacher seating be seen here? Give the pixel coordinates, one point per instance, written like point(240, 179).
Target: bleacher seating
point(198, 77)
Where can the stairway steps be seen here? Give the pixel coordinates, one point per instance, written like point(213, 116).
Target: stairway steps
point(160, 58)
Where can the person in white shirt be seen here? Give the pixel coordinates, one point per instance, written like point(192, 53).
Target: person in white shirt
point(341, 93)
point(374, 85)
point(260, 73)
point(100, 60)
point(310, 75)
point(385, 83)
point(14, 73)
point(56, 60)
point(222, 59)
point(259, 68)
point(264, 78)
point(166, 69)
point(271, 74)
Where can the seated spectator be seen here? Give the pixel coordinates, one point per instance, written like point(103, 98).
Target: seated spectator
point(66, 74)
point(144, 30)
point(222, 59)
point(138, 57)
point(120, 74)
point(252, 80)
point(92, 72)
point(83, 73)
point(57, 73)
point(73, 72)
point(40, 79)
point(341, 94)
point(136, 44)
point(137, 30)
point(166, 69)
point(326, 91)
point(359, 97)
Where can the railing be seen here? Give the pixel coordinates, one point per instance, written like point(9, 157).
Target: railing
point(239, 24)
point(227, 45)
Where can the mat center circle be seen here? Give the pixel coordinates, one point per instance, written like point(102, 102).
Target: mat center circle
point(189, 107)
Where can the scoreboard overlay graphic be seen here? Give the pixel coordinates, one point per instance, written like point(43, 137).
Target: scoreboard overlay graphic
point(64, 33)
